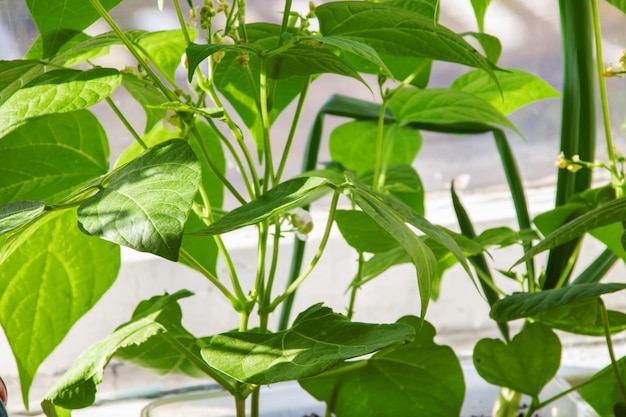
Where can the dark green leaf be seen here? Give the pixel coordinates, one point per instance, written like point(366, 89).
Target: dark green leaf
point(318, 340)
point(417, 379)
point(280, 199)
point(70, 272)
point(362, 233)
point(504, 236)
point(584, 317)
point(198, 53)
point(77, 388)
point(620, 4)
point(446, 110)
point(380, 263)
point(19, 213)
point(78, 50)
point(177, 106)
point(48, 157)
point(604, 392)
point(517, 89)
point(612, 212)
point(146, 203)
point(395, 31)
point(526, 364)
point(59, 91)
point(521, 305)
point(60, 20)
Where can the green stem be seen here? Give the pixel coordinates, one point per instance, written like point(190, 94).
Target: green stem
point(132, 49)
point(126, 123)
point(356, 285)
point(292, 130)
point(260, 274)
point(380, 164)
point(609, 344)
point(273, 267)
point(240, 405)
point(285, 22)
point(268, 177)
point(181, 22)
point(300, 279)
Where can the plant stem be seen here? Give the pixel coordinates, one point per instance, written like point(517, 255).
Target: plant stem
point(181, 21)
point(298, 281)
point(126, 123)
point(273, 266)
point(609, 344)
point(268, 177)
point(355, 286)
point(132, 49)
point(379, 174)
point(285, 21)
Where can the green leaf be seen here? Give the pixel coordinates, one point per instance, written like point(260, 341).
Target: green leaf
point(517, 89)
point(157, 352)
point(59, 91)
point(584, 317)
point(59, 21)
point(490, 44)
point(446, 110)
point(16, 74)
point(620, 4)
point(164, 50)
point(417, 379)
point(526, 364)
point(19, 213)
point(504, 236)
point(362, 233)
point(197, 53)
point(78, 50)
point(50, 156)
point(318, 340)
point(148, 95)
point(146, 203)
point(380, 263)
point(521, 305)
point(353, 145)
point(290, 194)
point(396, 31)
point(77, 388)
point(611, 212)
point(603, 393)
point(51, 275)
point(177, 106)
point(480, 9)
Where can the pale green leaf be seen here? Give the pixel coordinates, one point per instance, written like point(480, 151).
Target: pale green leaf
point(525, 364)
point(78, 50)
point(59, 91)
point(50, 156)
point(417, 379)
point(446, 110)
point(620, 4)
point(353, 145)
point(317, 340)
point(16, 74)
point(362, 233)
point(164, 50)
point(59, 21)
point(522, 305)
point(77, 388)
point(51, 275)
point(145, 204)
point(290, 194)
point(517, 89)
point(480, 9)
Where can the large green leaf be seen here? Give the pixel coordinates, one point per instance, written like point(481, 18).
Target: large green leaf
point(50, 156)
point(604, 392)
point(60, 20)
point(517, 88)
point(59, 91)
point(16, 74)
point(363, 233)
point(525, 364)
point(353, 144)
point(77, 388)
point(522, 305)
point(396, 31)
point(145, 204)
point(164, 50)
point(318, 340)
point(51, 275)
point(290, 194)
point(417, 379)
point(446, 110)
point(149, 96)
point(157, 353)
point(78, 50)
point(611, 212)
point(19, 213)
